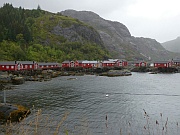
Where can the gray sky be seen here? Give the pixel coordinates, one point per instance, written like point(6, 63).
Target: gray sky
point(157, 19)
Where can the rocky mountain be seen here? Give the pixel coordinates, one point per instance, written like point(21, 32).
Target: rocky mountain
point(173, 45)
point(119, 41)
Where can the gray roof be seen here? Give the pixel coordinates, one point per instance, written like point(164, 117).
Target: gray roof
point(27, 62)
point(7, 63)
point(89, 62)
point(176, 60)
point(47, 63)
point(106, 61)
point(161, 61)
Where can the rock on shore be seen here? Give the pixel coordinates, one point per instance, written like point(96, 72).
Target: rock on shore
point(114, 73)
point(12, 113)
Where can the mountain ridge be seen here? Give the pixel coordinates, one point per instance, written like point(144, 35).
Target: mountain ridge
point(118, 40)
point(172, 45)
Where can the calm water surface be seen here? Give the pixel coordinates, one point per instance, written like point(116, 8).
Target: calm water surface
point(90, 99)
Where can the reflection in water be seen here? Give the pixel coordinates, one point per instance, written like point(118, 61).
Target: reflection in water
point(102, 105)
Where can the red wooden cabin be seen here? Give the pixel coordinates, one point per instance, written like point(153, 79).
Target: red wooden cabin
point(28, 65)
point(121, 63)
point(69, 64)
point(80, 63)
point(66, 64)
point(88, 64)
point(9, 66)
point(163, 64)
point(48, 65)
point(108, 63)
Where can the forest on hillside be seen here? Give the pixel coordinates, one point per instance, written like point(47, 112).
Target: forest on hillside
point(26, 35)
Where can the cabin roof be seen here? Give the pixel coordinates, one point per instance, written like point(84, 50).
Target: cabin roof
point(114, 60)
point(27, 62)
point(176, 60)
point(7, 63)
point(47, 63)
point(89, 62)
point(106, 61)
point(161, 62)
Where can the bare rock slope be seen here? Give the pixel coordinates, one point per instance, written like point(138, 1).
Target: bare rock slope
point(119, 41)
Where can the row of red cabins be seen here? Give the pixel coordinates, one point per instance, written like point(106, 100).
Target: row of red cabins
point(119, 63)
point(32, 65)
point(159, 64)
point(94, 64)
point(26, 65)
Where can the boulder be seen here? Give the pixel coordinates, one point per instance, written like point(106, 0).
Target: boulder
point(12, 113)
point(18, 80)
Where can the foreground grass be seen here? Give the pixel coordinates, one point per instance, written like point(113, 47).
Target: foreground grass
point(33, 126)
point(38, 124)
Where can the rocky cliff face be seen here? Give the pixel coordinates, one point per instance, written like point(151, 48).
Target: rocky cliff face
point(118, 40)
point(77, 33)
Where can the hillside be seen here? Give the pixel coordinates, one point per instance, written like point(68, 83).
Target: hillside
point(173, 45)
point(43, 36)
point(118, 40)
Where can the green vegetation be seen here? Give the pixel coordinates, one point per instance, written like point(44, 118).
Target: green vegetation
point(27, 35)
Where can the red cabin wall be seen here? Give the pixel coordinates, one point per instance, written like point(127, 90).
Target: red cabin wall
point(28, 66)
point(137, 65)
point(87, 65)
point(160, 65)
point(80, 65)
point(125, 63)
point(65, 65)
point(8, 67)
point(76, 64)
point(108, 64)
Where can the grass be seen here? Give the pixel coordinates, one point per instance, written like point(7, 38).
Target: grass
point(39, 124)
point(36, 125)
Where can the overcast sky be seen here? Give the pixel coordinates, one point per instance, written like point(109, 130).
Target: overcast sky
point(157, 19)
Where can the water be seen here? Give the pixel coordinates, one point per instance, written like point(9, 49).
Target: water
point(97, 105)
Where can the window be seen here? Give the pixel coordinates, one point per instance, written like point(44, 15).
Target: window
point(143, 64)
point(26, 66)
point(12, 67)
point(2, 66)
point(30, 66)
point(7, 67)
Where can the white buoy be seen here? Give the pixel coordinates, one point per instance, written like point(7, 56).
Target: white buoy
point(107, 95)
